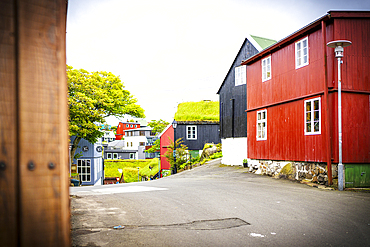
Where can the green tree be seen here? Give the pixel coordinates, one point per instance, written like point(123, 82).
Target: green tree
point(92, 96)
point(155, 147)
point(180, 153)
point(158, 125)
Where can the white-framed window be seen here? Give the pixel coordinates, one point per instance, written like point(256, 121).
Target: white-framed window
point(132, 156)
point(127, 125)
point(301, 53)
point(240, 75)
point(109, 155)
point(115, 156)
point(84, 169)
point(266, 68)
point(191, 132)
point(262, 125)
point(312, 113)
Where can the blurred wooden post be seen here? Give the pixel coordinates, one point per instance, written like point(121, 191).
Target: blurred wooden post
point(34, 187)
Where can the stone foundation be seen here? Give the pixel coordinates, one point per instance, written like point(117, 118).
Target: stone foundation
point(314, 172)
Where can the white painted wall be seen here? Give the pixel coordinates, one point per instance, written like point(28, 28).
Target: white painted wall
point(234, 150)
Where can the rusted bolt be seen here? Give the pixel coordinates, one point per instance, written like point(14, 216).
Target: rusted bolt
point(51, 165)
point(31, 166)
point(2, 166)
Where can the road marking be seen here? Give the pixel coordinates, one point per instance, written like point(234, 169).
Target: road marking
point(257, 235)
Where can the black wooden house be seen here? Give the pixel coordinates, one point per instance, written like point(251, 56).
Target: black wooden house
point(197, 124)
point(233, 102)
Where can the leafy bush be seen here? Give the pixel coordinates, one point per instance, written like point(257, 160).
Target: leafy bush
point(216, 155)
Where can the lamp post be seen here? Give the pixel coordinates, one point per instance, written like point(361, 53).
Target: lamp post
point(174, 126)
point(138, 176)
point(339, 45)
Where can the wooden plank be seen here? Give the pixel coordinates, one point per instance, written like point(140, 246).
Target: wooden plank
point(8, 127)
point(42, 121)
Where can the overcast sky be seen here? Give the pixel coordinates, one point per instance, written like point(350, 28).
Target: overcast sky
point(169, 51)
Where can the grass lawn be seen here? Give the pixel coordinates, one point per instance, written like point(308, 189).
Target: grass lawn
point(129, 168)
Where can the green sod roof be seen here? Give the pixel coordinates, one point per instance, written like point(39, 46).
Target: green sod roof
point(198, 111)
point(263, 42)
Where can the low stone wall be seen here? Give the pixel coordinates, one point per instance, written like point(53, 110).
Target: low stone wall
point(314, 172)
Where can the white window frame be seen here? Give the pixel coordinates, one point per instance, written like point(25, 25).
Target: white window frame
point(311, 114)
point(191, 132)
point(261, 132)
point(84, 169)
point(240, 75)
point(299, 50)
point(115, 156)
point(109, 156)
point(132, 156)
point(266, 68)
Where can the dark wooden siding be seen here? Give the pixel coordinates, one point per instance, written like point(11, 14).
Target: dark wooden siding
point(233, 122)
point(206, 133)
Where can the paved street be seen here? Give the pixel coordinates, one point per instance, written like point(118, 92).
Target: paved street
point(214, 205)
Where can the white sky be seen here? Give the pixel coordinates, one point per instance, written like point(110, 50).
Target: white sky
point(171, 51)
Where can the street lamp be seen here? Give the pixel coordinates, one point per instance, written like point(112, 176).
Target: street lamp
point(138, 177)
point(174, 126)
point(339, 45)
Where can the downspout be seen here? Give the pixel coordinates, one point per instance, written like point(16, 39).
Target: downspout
point(326, 107)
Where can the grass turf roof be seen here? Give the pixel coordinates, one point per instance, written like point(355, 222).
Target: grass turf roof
point(263, 42)
point(198, 111)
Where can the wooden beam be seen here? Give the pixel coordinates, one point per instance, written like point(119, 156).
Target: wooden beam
point(35, 130)
point(8, 127)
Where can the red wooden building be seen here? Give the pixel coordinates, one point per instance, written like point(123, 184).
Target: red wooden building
point(165, 137)
point(122, 126)
point(292, 97)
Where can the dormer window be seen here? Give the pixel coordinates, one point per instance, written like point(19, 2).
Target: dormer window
point(266, 68)
point(301, 53)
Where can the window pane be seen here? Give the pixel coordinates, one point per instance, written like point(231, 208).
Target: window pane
point(317, 127)
point(316, 105)
point(84, 177)
point(88, 169)
point(308, 106)
point(308, 127)
point(263, 115)
point(308, 117)
point(259, 116)
point(304, 43)
point(88, 178)
point(317, 115)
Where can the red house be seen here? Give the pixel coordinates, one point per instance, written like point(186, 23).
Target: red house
point(165, 137)
point(292, 101)
point(122, 126)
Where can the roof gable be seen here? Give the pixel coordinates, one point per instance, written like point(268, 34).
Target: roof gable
point(257, 42)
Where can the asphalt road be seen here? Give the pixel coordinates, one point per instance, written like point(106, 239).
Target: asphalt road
point(213, 205)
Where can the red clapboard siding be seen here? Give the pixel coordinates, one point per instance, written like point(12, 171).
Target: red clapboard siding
point(285, 135)
point(164, 142)
point(284, 94)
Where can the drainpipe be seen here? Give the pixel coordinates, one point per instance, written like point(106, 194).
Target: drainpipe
point(326, 107)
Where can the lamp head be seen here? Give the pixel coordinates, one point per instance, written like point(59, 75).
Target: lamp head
point(338, 45)
point(174, 124)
